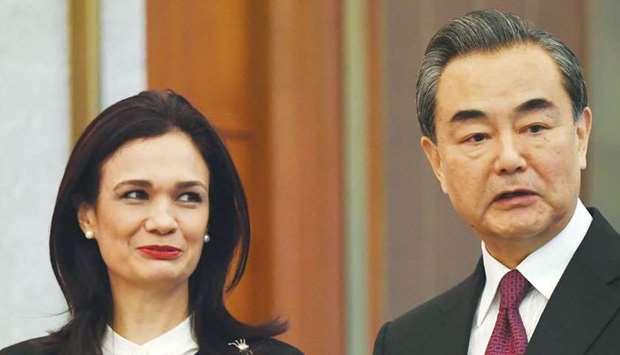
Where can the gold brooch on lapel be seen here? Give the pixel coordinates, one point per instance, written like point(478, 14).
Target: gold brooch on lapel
point(242, 346)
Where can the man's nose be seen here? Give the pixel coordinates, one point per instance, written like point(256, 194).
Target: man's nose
point(509, 158)
point(161, 219)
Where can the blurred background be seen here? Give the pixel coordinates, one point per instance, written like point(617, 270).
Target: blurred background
point(315, 100)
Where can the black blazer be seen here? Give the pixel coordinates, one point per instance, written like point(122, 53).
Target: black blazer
point(262, 347)
point(581, 316)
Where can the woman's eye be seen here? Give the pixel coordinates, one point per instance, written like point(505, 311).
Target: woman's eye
point(190, 197)
point(135, 195)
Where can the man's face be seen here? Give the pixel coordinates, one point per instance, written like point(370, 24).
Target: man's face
point(508, 151)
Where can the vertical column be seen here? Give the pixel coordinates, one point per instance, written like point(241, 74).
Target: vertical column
point(84, 25)
point(305, 141)
point(356, 174)
point(375, 168)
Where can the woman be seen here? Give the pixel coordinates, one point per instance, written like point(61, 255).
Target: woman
point(148, 216)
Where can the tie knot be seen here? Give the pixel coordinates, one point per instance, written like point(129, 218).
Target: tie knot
point(512, 289)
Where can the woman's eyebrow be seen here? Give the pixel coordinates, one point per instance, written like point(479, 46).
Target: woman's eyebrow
point(140, 183)
point(191, 183)
point(148, 184)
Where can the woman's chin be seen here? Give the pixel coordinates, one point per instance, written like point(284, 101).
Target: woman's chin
point(160, 277)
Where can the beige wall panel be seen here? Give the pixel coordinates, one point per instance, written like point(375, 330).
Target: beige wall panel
point(306, 139)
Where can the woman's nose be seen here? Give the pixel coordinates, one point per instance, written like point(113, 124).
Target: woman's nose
point(161, 219)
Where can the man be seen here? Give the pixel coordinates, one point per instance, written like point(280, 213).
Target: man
point(505, 122)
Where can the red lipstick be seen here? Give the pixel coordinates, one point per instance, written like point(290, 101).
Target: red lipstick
point(163, 252)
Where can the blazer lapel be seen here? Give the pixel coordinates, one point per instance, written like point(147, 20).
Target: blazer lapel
point(452, 336)
point(585, 299)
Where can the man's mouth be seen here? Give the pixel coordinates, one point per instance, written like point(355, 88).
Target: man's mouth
point(514, 194)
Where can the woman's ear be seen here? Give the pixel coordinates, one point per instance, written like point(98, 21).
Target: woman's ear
point(87, 218)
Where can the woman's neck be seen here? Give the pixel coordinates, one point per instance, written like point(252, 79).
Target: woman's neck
point(141, 314)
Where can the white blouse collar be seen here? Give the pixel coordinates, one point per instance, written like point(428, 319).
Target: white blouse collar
point(177, 341)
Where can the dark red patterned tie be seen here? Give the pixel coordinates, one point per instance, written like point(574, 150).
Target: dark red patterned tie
point(509, 337)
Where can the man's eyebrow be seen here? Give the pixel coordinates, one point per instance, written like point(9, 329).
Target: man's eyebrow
point(528, 106)
point(535, 105)
point(465, 115)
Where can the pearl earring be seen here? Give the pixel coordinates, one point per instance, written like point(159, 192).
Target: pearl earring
point(207, 238)
point(89, 235)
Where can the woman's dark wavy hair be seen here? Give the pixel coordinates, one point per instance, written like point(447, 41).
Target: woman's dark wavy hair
point(77, 263)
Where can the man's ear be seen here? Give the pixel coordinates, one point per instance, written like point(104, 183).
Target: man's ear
point(584, 127)
point(434, 158)
point(87, 218)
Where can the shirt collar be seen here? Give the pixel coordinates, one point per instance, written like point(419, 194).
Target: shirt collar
point(178, 340)
point(553, 257)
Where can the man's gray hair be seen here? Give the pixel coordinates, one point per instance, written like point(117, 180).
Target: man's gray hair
point(489, 31)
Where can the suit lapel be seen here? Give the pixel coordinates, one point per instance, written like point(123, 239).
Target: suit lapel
point(457, 313)
point(585, 299)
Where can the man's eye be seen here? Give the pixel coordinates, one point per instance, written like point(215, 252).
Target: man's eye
point(135, 195)
point(190, 197)
point(536, 128)
point(476, 138)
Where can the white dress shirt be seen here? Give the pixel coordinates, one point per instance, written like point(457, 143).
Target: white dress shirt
point(177, 341)
point(543, 269)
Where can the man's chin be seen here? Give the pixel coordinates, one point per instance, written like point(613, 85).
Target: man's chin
point(517, 228)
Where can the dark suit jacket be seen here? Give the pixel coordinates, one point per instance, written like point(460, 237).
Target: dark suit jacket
point(581, 316)
point(262, 347)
